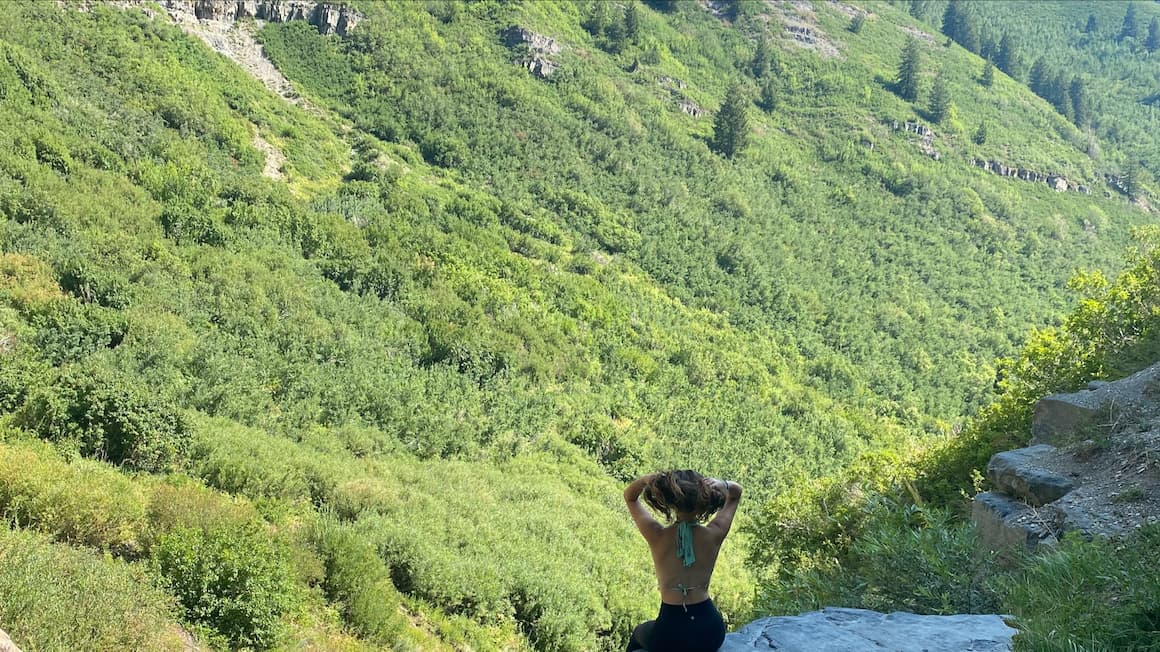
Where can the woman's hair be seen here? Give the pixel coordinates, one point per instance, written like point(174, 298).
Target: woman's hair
point(671, 492)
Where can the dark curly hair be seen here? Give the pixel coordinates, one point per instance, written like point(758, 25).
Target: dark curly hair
point(672, 492)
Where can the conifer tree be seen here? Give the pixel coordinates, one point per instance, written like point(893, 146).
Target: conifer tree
point(969, 35)
point(769, 94)
point(760, 64)
point(952, 17)
point(1091, 25)
point(632, 22)
point(1132, 174)
point(980, 136)
point(908, 71)
point(1038, 79)
point(731, 126)
point(988, 78)
point(1130, 29)
point(1079, 102)
point(1153, 42)
point(940, 99)
point(1007, 58)
point(1056, 93)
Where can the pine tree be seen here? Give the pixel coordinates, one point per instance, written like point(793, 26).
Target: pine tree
point(1079, 102)
point(1130, 29)
point(980, 136)
point(952, 18)
point(1091, 25)
point(1132, 174)
point(1056, 93)
point(731, 126)
point(769, 94)
point(760, 64)
point(908, 71)
point(940, 99)
point(1007, 58)
point(1039, 76)
point(1153, 42)
point(632, 22)
point(969, 34)
point(988, 74)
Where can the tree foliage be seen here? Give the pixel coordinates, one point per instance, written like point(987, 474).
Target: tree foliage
point(731, 125)
point(909, 71)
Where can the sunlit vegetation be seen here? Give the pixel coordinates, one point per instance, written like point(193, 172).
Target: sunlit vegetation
point(390, 400)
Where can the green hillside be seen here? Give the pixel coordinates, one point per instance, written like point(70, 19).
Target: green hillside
point(1111, 48)
point(388, 397)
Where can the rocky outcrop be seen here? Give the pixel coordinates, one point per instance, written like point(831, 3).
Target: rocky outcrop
point(858, 630)
point(802, 34)
point(6, 644)
point(538, 48)
point(1093, 468)
point(690, 107)
point(925, 133)
point(1055, 181)
point(329, 18)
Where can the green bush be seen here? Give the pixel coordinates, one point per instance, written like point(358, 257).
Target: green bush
point(359, 581)
point(108, 416)
point(85, 503)
point(59, 599)
point(233, 581)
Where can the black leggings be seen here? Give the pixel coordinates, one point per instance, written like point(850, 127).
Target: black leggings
point(692, 628)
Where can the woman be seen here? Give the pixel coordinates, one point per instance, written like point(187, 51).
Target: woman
point(684, 554)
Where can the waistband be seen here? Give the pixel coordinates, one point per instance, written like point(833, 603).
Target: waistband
point(705, 605)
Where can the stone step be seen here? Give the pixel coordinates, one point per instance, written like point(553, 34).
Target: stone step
point(1017, 473)
point(1002, 523)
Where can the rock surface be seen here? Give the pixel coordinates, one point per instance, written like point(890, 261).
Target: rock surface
point(1015, 473)
point(6, 644)
point(1101, 478)
point(329, 18)
point(858, 630)
point(538, 49)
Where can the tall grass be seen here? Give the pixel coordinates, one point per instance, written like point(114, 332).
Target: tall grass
point(57, 598)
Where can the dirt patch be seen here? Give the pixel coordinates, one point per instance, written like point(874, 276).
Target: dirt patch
point(275, 159)
point(800, 26)
point(918, 34)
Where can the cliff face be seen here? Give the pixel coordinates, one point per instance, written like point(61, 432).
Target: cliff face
point(327, 17)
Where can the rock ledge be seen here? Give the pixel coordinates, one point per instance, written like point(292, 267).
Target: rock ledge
point(857, 630)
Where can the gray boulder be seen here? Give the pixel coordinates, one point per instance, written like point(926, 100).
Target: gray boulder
point(858, 630)
point(1016, 473)
point(1002, 523)
point(1062, 419)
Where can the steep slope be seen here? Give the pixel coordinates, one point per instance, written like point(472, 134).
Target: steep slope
point(415, 380)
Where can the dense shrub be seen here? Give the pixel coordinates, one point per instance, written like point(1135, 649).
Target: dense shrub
point(1099, 595)
point(108, 416)
point(59, 599)
point(235, 582)
point(85, 503)
point(359, 581)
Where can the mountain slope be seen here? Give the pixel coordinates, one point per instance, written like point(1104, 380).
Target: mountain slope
point(415, 371)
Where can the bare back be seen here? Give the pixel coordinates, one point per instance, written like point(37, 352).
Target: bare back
point(672, 573)
point(677, 583)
